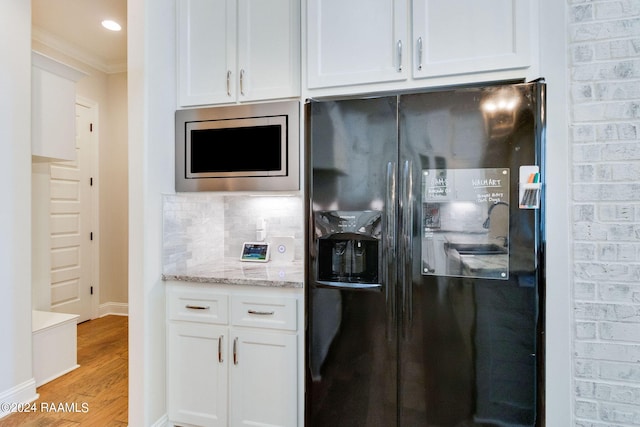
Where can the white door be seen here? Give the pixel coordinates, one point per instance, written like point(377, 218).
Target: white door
point(355, 42)
point(206, 51)
point(197, 374)
point(485, 36)
point(263, 379)
point(72, 236)
point(268, 49)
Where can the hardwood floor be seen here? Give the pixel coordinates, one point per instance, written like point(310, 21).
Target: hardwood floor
point(96, 393)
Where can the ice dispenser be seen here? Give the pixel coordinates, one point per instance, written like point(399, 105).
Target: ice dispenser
point(348, 247)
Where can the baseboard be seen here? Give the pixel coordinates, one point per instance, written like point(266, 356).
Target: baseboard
point(20, 394)
point(113, 308)
point(57, 375)
point(161, 422)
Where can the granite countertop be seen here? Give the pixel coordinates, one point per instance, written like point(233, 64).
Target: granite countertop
point(232, 271)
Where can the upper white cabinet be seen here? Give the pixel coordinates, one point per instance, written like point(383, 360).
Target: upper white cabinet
point(53, 108)
point(356, 42)
point(378, 41)
point(237, 50)
point(463, 36)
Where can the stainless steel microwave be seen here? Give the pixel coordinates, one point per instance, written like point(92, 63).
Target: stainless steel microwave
point(238, 148)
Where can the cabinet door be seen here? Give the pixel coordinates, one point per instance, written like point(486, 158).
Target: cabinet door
point(53, 108)
point(465, 36)
point(263, 379)
point(268, 49)
point(206, 51)
point(356, 42)
point(197, 374)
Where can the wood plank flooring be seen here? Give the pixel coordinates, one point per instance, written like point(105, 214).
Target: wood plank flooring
point(96, 393)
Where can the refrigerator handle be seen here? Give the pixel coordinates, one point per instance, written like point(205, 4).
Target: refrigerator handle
point(406, 246)
point(389, 269)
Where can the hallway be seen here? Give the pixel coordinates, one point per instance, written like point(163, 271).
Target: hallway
point(94, 394)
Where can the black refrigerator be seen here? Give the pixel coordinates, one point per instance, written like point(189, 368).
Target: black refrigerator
point(424, 267)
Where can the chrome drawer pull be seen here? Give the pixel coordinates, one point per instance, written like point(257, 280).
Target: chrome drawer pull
point(235, 351)
point(420, 53)
point(261, 313)
point(197, 307)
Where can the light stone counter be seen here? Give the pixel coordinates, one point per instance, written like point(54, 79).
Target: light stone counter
point(235, 272)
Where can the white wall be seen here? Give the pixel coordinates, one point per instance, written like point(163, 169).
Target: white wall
point(152, 100)
point(16, 377)
point(114, 195)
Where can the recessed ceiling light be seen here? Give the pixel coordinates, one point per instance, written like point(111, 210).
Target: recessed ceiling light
point(111, 25)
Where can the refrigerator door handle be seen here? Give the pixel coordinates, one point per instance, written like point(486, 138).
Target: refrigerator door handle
point(406, 245)
point(389, 270)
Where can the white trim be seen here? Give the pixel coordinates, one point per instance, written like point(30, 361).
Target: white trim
point(163, 421)
point(63, 46)
point(558, 318)
point(57, 375)
point(113, 308)
point(20, 394)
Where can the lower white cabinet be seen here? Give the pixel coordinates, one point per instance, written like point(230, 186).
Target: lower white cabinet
point(262, 379)
point(197, 378)
point(232, 357)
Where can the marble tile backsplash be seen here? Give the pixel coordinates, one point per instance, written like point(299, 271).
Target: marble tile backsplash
point(201, 227)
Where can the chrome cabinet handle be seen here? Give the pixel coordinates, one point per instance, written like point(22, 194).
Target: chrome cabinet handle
point(228, 82)
point(197, 307)
point(399, 47)
point(220, 357)
point(242, 82)
point(261, 313)
point(235, 351)
point(420, 53)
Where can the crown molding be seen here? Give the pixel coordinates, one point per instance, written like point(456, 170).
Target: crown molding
point(75, 52)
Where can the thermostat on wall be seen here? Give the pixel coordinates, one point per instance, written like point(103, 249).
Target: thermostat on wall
point(255, 252)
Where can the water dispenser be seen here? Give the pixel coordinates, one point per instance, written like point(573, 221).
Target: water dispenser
point(348, 247)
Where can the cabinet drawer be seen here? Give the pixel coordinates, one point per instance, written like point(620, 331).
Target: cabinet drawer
point(264, 312)
point(198, 306)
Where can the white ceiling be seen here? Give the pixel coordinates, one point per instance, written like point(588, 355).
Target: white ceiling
point(73, 27)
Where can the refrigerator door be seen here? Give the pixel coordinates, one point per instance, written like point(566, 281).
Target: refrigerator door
point(351, 377)
point(469, 236)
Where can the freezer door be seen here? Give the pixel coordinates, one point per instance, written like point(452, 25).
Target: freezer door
point(470, 186)
point(351, 377)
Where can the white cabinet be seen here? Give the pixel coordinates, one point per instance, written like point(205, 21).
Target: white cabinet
point(463, 36)
point(232, 357)
point(356, 42)
point(53, 108)
point(263, 379)
point(237, 50)
point(378, 41)
point(197, 375)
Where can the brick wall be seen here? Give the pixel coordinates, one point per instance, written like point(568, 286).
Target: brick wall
point(604, 76)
